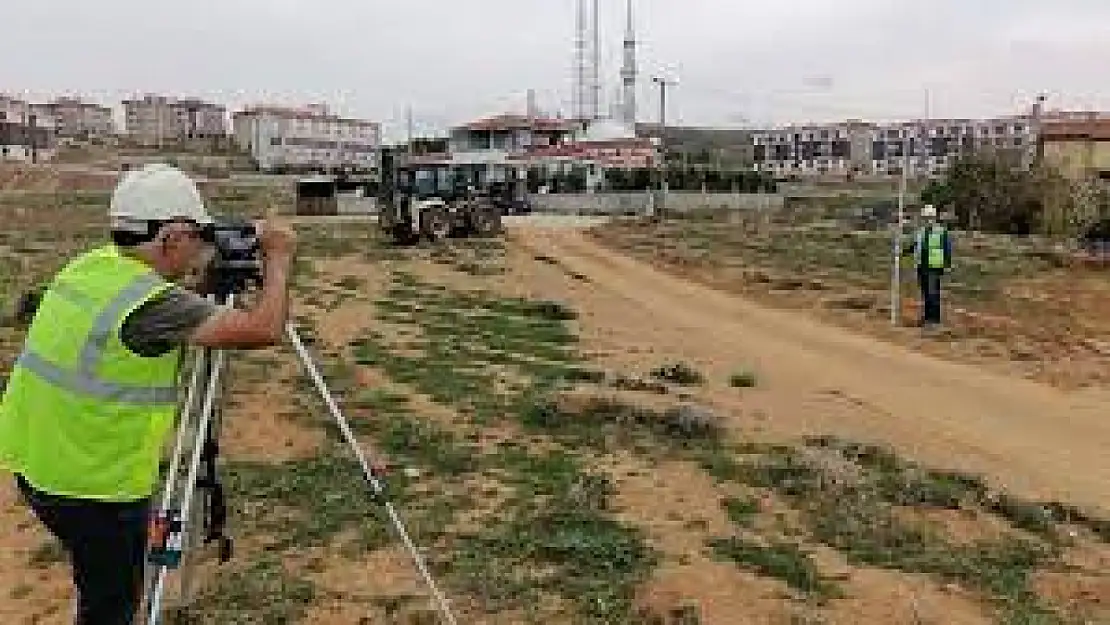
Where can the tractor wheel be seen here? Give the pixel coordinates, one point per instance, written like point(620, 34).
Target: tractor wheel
point(486, 222)
point(435, 224)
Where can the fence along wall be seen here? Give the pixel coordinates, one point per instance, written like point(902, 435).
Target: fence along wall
point(639, 202)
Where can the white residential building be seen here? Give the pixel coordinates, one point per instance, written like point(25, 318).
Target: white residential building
point(25, 135)
point(157, 118)
point(75, 119)
point(306, 139)
point(869, 149)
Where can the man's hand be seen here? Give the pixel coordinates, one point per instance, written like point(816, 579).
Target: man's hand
point(276, 240)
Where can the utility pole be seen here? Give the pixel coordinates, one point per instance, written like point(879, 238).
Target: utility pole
point(410, 151)
point(661, 202)
point(896, 274)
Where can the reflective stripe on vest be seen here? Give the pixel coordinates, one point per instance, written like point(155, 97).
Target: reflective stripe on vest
point(83, 380)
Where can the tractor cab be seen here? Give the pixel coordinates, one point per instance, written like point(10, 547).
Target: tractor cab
point(434, 201)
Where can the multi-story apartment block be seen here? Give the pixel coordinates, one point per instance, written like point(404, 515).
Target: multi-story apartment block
point(858, 148)
point(306, 139)
point(817, 150)
point(74, 119)
point(158, 118)
point(25, 136)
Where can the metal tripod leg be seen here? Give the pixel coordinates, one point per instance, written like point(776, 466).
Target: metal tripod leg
point(186, 433)
point(198, 419)
point(157, 592)
point(367, 471)
point(192, 540)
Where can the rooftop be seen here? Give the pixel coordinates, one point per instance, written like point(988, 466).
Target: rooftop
point(513, 121)
point(310, 112)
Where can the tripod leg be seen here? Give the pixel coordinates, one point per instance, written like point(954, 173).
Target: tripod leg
point(154, 606)
point(186, 421)
point(192, 540)
point(367, 472)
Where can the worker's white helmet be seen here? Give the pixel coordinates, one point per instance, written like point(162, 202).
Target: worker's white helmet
point(928, 211)
point(157, 192)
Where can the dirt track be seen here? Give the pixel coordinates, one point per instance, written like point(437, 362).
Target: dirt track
point(820, 379)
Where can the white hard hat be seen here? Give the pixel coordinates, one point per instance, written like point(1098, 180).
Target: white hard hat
point(157, 192)
point(928, 211)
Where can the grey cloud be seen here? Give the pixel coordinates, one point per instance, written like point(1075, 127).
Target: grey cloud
point(450, 59)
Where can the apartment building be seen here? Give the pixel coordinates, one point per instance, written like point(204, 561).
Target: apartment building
point(306, 139)
point(154, 119)
point(857, 148)
point(25, 136)
point(816, 150)
point(75, 119)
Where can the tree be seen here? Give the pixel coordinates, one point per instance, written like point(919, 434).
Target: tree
point(993, 193)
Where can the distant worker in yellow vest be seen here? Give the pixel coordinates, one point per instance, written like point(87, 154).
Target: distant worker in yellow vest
point(93, 395)
point(933, 256)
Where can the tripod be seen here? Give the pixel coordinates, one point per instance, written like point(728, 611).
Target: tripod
point(177, 520)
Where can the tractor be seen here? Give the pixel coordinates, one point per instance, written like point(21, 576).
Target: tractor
point(433, 202)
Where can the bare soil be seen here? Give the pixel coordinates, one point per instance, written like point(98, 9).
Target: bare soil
point(811, 377)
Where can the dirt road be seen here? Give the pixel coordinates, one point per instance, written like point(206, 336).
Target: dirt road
point(818, 379)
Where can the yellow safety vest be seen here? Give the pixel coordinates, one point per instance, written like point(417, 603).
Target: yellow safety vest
point(930, 244)
point(82, 415)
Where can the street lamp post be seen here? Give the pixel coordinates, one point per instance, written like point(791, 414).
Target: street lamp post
point(660, 203)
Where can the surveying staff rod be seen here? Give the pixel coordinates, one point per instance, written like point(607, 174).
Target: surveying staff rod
point(367, 471)
point(190, 481)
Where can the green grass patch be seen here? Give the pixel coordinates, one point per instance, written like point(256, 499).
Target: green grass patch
point(775, 559)
point(263, 592)
point(554, 537)
point(848, 494)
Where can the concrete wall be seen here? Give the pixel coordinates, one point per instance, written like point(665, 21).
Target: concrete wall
point(349, 204)
point(640, 202)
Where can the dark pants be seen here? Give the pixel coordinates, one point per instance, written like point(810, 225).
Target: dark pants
point(929, 281)
point(106, 543)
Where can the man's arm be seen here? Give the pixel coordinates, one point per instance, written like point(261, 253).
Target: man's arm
point(166, 322)
point(260, 326)
point(181, 317)
point(263, 324)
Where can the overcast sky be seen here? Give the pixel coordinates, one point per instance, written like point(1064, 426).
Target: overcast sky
point(737, 61)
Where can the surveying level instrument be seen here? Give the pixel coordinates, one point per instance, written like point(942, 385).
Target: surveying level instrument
point(192, 497)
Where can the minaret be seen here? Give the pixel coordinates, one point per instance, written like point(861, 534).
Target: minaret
point(595, 63)
point(628, 71)
point(581, 61)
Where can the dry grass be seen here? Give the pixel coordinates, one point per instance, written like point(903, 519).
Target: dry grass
point(1008, 302)
point(544, 495)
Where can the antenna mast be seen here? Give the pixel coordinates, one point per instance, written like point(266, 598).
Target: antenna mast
point(580, 60)
point(595, 62)
point(628, 72)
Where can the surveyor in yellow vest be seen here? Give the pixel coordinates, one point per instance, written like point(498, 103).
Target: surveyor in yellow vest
point(92, 396)
point(933, 258)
